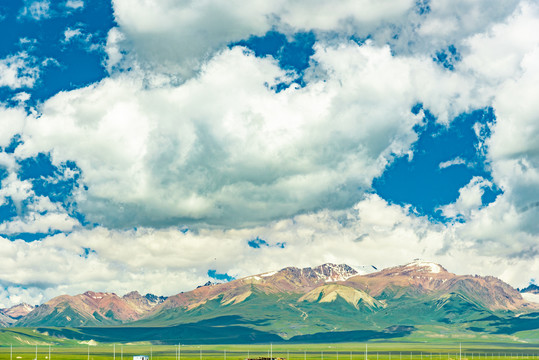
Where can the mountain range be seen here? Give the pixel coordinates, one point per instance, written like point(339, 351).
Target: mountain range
point(91, 309)
point(296, 304)
point(9, 316)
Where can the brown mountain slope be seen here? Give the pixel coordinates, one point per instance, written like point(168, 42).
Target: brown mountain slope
point(142, 304)
point(18, 311)
point(398, 291)
point(90, 308)
point(416, 293)
point(289, 280)
point(9, 316)
point(424, 278)
point(96, 302)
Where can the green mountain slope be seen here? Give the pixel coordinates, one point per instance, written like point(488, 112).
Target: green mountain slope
point(312, 304)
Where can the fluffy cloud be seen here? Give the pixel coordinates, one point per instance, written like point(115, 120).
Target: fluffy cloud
point(12, 121)
point(74, 4)
point(15, 189)
point(13, 295)
point(177, 38)
point(32, 213)
point(469, 199)
point(121, 261)
point(513, 147)
point(455, 20)
point(36, 10)
point(70, 34)
point(497, 53)
point(116, 260)
point(455, 161)
point(224, 148)
point(505, 59)
point(195, 133)
point(18, 71)
point(358, 17)
point(35, 222)
point(36, 214)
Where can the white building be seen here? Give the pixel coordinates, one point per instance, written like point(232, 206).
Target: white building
point(140, 357)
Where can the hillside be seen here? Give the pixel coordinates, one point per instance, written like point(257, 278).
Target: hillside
point(9, 316)
point(295, 302)
point(432, 281)
point(331, 297)
point(90, 309)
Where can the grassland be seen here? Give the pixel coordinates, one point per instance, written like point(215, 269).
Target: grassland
point(343, 351)
point(432, 342)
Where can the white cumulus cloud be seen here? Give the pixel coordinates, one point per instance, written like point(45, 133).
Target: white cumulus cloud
point(167, 261)
point(74, 4)
point(186, 130)
point(18, 71)
point(36, 10)
point(224, 148)
point(448, 163)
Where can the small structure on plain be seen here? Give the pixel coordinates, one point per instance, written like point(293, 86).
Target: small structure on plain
point(141, 357)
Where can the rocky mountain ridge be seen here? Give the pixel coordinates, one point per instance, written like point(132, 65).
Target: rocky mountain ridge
point(9, 316)
point(300, 294)
point(91, 308)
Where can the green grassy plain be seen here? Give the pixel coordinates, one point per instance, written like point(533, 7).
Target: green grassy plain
point(427, 342)
point(343, 351)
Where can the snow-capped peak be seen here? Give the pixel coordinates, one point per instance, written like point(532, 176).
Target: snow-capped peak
point(25, 307)
point(17, 311)
point(332, 272)
point(426, 265)
point(96, 295)
point(365, 269)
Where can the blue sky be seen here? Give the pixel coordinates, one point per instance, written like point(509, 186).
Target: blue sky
point(423, 181)
point(63, 40)
point(266, 132)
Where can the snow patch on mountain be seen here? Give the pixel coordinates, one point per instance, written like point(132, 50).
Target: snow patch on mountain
point(332, 272)
point(365, 269)
point(426, 265)
point(14, 313)
point(271, 273)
